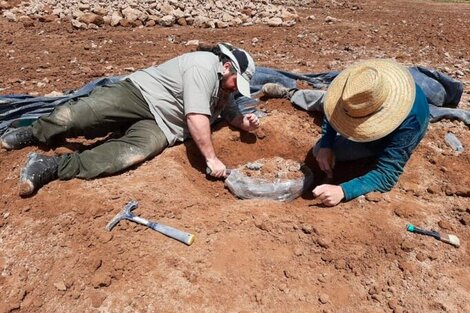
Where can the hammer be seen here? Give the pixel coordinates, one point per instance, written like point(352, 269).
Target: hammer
point(228, 171)
point(171, 232)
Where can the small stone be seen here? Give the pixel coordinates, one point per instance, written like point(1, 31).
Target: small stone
point(298, 251)
point(167, 20)
point(307, 229)
point(434, 189)
point(407, 246)
point(404, 212)
point(275, 22)
point(181, 21)
point(105, 237)
point(373, 290)
point(406, 267)
point(374, 196)
point(444, 225)
point(330, 19)
point(193, 42)
point(60, 286)
point(101, 279)
point(260, 133)
point(465, 220)
point(265, 225)
point(46, 18)
point(91, 18)
point(4, 5)
point(421, 257)
point(375, 297)
point(432, 256)
point(322, 242)
point(97, 299)
point(323, 298)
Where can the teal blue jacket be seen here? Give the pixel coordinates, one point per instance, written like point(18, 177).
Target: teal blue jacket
point(399, 145)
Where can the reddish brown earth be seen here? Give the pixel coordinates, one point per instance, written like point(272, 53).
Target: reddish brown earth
point(249, 255)
point(272, 169)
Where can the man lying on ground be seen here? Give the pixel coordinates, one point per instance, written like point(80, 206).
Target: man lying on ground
point(158, 106)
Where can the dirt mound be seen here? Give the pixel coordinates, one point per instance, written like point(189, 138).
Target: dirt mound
point(249, 255)
point(272, 169)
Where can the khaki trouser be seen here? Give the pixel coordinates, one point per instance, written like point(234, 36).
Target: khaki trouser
point(106, 109)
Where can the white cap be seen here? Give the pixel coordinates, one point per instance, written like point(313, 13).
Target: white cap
point(244, 65)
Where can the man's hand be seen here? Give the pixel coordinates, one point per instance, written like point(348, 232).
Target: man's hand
point(250, 122)
point(330, 195)
point(326, 161)
point(217, 168)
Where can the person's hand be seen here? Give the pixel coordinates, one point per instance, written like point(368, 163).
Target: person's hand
point(326, 161)
point(217, 168)
point(330, 195)
point(250, 122)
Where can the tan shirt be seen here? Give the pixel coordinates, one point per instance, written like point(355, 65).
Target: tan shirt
point(186, 84)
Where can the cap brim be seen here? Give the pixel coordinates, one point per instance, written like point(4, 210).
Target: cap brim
point(243, 86)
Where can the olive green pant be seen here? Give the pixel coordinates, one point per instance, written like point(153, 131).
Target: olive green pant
point(106, 109)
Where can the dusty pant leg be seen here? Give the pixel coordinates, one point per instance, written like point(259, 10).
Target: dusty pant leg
point(142, 140)
point(307, 99)
point(347, 150)
point(106, 109)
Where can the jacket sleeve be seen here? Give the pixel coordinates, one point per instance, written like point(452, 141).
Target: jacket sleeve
point(391, 162)
point(328, 135)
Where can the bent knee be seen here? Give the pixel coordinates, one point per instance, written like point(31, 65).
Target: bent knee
point(63, 116)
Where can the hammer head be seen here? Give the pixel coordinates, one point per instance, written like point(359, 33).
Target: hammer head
point(124, 214)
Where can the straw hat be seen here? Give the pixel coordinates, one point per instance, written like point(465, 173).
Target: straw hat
point(370, 99)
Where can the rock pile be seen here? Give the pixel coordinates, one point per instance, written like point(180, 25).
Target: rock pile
point(85, 14)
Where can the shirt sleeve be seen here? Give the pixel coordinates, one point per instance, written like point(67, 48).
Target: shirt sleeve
point(198, 86)
point(328, 134)
point(399, 147)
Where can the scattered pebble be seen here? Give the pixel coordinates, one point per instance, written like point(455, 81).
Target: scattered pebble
point(444, 225)
point(87, 14)
point(323, 298)
point(60, 286)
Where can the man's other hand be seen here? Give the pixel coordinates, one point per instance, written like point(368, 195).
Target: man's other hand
point(326, 161)
point(250, 122)
point(330, 195)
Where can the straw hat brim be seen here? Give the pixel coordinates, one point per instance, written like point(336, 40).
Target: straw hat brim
point(392, 113)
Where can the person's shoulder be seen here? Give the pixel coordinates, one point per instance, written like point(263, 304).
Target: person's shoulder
point(420, 97)
point(201, 57)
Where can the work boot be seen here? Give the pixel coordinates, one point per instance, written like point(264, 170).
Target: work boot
point(274, 90)
point(18, 138)
point(38, 171)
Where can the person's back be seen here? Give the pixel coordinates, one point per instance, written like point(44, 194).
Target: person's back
point(378, 110)
point(187, 83)
point(156, 106)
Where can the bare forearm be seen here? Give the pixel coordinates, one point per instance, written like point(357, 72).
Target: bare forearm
point(199, 128)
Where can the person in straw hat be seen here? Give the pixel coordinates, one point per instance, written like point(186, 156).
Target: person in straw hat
point(372, 109)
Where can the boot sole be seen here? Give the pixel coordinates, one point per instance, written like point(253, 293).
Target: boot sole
point(5, 146)
point(26, 186)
